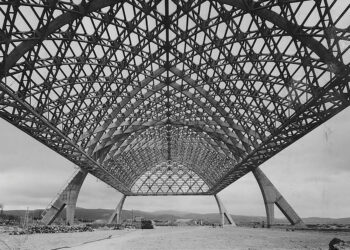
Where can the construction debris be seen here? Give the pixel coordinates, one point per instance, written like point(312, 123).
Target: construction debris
point(41, 229)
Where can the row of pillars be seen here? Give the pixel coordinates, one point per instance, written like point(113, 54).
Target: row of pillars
point(68, 197)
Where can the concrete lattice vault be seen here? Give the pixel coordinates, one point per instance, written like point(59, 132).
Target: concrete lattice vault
point(172, 97)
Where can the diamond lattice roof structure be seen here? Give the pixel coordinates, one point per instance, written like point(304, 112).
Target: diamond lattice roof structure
point(172, 97)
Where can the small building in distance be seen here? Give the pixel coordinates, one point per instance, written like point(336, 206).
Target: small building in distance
point(139, 223)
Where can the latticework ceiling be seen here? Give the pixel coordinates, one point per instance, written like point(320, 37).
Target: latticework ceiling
point(172, 97)
point(168, 179)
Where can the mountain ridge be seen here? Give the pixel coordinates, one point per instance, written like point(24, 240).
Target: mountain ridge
point(101, 214)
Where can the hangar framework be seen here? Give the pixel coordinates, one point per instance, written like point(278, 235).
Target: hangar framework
point(172, 97)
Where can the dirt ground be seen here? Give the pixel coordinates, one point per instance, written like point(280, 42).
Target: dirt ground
point(54, 241)
point(179, 238)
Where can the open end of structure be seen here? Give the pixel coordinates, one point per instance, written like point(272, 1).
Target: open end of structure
point(169, 178)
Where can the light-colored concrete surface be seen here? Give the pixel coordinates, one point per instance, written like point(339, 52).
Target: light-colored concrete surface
point(181, 238)
point(68, 197)
point(223, 212)
point(271, 197)
point(115, 217)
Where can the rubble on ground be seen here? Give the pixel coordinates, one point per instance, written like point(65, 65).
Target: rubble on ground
point(41, 229)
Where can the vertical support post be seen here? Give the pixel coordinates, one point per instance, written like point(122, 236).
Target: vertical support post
point(271, 197)
point(117, 212)
point(223, 212)
point(68, 197)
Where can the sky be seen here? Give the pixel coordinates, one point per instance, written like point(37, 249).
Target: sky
point(312, 174)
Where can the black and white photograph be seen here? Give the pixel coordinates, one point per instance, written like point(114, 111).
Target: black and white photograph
point(174, 124)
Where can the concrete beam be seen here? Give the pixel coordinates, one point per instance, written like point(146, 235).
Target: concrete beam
point(117, 212)
point(223, 212)
point(68, 197)
point(291, 28)
point(271, 197)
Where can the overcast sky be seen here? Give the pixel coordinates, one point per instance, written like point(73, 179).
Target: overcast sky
point(313, 175)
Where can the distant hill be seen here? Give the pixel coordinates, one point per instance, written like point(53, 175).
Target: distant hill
point(318, 220)
point(171, 215)
point(172, 212)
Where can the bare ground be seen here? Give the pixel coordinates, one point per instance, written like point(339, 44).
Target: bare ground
point(180, 238)
point(54, 241)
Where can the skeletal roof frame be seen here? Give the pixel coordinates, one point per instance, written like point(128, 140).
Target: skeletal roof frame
point(172, 97)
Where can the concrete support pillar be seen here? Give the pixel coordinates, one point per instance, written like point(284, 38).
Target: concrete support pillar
point(68, 197)
point(223, 212)
point(117, 212)
point(271, 197)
